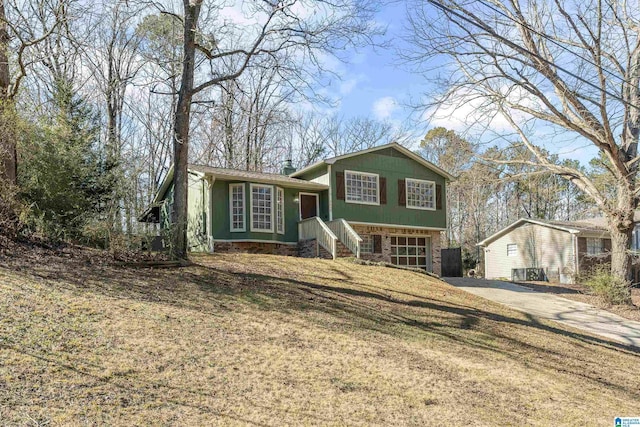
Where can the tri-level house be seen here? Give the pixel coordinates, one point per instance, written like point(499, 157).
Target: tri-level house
point(385, 203)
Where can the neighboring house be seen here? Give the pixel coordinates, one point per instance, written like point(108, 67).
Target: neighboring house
point(563, 249)
point(385, 203)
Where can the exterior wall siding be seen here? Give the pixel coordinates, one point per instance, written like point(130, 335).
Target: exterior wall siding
point(392, 165)
point(537, 247)
point(220, 221)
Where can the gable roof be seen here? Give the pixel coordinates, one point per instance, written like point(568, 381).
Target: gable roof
point(573, 227)
point(239, 175)
point(258, 177)
point(393, 145)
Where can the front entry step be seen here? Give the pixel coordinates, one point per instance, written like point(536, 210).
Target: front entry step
point(342, 251)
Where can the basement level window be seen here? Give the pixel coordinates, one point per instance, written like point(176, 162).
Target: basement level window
point(366, 246)
point(512, 249)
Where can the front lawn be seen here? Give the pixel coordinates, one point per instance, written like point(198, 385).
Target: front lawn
point(268, 340)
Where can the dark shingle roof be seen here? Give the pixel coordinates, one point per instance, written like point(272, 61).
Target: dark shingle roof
point(259, 177)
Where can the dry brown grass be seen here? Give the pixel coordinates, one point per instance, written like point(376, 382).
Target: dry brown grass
point(268, 340)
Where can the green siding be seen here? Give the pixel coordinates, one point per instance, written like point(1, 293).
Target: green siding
point(392, 165)
point(221, 226)
point(324, 195)
point(388, 163)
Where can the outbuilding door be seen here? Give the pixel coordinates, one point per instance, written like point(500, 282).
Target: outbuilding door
point(412, 252)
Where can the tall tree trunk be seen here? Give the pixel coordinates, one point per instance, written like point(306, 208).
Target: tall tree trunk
point(8, 154)
point(620, 242)
point(621, 230)
point(181, 131)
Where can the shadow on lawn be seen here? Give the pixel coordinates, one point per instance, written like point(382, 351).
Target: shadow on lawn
point(159, 392)
point(372, 308)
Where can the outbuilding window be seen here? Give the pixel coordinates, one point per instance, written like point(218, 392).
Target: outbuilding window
point(594, 246)
point(512, 249)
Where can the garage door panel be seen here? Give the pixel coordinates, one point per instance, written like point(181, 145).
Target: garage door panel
point(411, 251)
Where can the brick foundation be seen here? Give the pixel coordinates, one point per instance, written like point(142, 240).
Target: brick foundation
point(256, 248)
point(387, 232)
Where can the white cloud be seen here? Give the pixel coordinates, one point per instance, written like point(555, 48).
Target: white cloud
point(384, 107)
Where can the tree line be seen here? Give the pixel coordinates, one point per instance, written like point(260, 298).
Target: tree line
point(99, 99)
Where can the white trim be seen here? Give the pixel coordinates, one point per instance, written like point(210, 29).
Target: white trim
point(370, 238)
point(395, 145)
point(575, 254)
point(532, 221)
point(281, 206)
point(406, 194)
point(210, 182)
point(412, 227)
point(346, 192)
point(253, 241)
point(429, 254)
point(330, 194)
point(260, 230)
point(300, 204)
point(244, 208)
point(308, 168)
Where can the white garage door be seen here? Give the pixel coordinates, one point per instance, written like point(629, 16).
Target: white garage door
point(411, 252)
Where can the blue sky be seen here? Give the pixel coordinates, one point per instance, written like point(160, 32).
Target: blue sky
point(375, 84)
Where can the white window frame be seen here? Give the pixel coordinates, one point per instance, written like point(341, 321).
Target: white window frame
point(346, 192)
point(600, 245)
point(316, 195)
point(419, 181)
point(252, 228)
point(244, 208)
point(513, 246)
point(428, 254)
point(367, 245)
point(280, 222)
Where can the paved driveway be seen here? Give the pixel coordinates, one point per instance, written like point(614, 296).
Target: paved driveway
point(546, 306)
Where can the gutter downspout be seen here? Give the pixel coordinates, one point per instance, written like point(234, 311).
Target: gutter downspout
point(330, 194)
point(575, 256)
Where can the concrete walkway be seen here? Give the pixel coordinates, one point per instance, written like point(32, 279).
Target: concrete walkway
point(547, 306)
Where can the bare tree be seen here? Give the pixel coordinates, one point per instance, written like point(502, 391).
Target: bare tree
point(23, 26)
point(112, 51)
point(571, 66)
point(356, 133)
point(280, 26)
